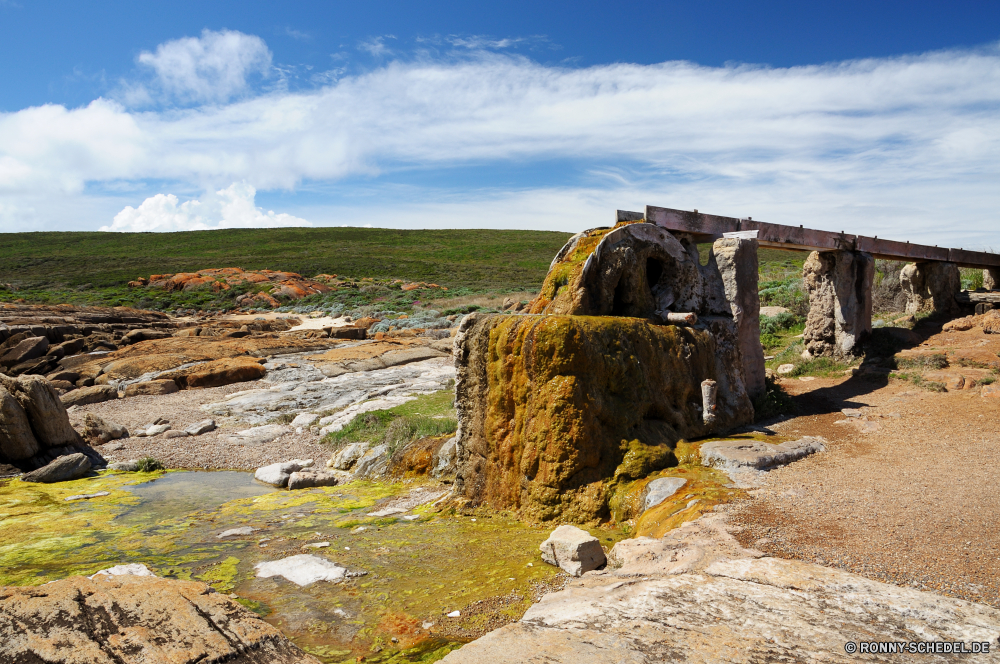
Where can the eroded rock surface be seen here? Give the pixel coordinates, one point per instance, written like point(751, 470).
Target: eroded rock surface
point(931, 286)
point(840, 302)
point(128, 619)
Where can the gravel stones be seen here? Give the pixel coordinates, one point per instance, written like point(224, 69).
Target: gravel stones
point(573, 550)
point(69, 467)
point(277, 474)
point(302, 570)
point(660, 489)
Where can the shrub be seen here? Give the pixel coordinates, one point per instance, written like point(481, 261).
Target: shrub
point(149, 465)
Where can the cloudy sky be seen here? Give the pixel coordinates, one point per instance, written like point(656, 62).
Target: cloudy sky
point(872, 117)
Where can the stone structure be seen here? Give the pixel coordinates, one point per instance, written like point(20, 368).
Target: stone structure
point(931, 287)
point(556, 408)
point(991, 278)
point(839, 284)
point(736, 259)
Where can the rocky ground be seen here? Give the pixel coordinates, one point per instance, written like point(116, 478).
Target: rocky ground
point(905, 492)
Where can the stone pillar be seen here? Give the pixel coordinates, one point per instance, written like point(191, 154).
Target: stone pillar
point(840, 302)
point(991, 278)
point(931, 287)
point(736, 259)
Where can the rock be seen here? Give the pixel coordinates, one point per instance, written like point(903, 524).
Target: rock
point(736, 259)
point(573, 550)
point(277, 474)
point(340, 420)
point(304, 419)
point(839, 284)
point(131, 569)
point(735, 455)
point(135, 336)
point(958, 325)
point(101, 431)
point(306, 479)
point(28, 349)
point(346, 456)
point(174, 433)
point(903, 335)
point(355, 333)
point(216, 373)
point(69, 467)
point(773, 311)
point(128, 619)
point(17, 441)
point(931, 286)
point(125, 466)
point(242, 530)
point(62, 386)
point(454, 614)
point(154, 430)
point(373, 462)
point(851, 412)
point(151, 388)
point(259, 435)
point(302, 570)
point(660, 489)
point(574, 388)
point(68, 376)
point(316, 545)
point(199, 428)
point(991, 391)
point(45, 411)
point(785, 369)
point(446, 458)
point(87, 496)
point(955, 383)
point(83, 396)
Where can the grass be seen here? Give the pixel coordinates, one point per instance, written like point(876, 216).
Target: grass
point(428, 415)
point(919, 381)
point(923, 362)
point(93, 268)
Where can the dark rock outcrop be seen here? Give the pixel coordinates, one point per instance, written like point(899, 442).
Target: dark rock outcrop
point(63, 469)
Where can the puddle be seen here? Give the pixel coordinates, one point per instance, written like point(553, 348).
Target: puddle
point(416, 570)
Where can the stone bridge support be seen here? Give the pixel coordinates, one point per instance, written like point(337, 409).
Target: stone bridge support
point(839, 284)
point(931, 286)
point(991, 278)
point(736, 259)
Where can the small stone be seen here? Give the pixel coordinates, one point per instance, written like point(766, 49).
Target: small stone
point(242, 530)
point(851, 412)
point(302, 570)
point(156, 430)
point(317, 545)
point(785, 369)
point(304, 419)
point(199, 428)
point(660, 489)
point(991, 391)
point(176, 433)
point(87, 496)
point(132, 569)
point(455, 614)
point(573, 550)
point(125, 466)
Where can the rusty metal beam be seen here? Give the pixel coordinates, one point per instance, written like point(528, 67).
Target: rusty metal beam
point(707, 227)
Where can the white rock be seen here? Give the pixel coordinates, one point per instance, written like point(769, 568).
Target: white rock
point(302, 570)
point(660, 489)
point(87, 496)
point(347, 456)
point(199, 428)
point(317, 545)
point(387, 512)
point(242, 530)
point(445, 458)
point(156, 429)
point(786, 369)
point(573, 550)
point(259, 435)
point(133, 569)
point(304, 419)
point(338, 421)
point(734, 455)
point(454, 614)
point(277, 474)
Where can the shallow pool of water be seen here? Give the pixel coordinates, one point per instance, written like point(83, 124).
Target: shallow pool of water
point(176, 494)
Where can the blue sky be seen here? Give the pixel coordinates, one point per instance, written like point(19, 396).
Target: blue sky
point(875, 117)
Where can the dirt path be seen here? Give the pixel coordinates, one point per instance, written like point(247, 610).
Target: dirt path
point(909, 496)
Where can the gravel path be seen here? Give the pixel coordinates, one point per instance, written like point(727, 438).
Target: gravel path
point(912, 503)
point(210, 450)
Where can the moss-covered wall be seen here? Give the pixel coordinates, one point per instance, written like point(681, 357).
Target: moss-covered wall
point(551, 405)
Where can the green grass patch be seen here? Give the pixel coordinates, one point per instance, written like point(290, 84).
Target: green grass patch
point(820, 366)
point(918, 380)
point(428, 415)
point(923, 362)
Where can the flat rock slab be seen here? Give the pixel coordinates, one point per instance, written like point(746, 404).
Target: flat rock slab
point(660, 489)
point(737, 455)
point(242, 530)
point(128, 619)
point(302, 570)
point(87, 496)
point(259, 435)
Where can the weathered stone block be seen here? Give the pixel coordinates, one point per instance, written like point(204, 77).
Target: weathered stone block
point(931, 287)
point(65, 468)
point(840, 302)
point(45, 411)
point(573, 550)
point(17, 441)
point(736, 259)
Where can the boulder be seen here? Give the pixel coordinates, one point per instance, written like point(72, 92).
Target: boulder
point(277, 474)
point(83, 396)
point(128, 619)
point(101, 431)
point(68, 376)
point(573, 550)
point(218, 372)
point(306, 479)
point(151, 388)
point(347, 456)
point(45, 411)
point(63, 385)
point(931, 286)
point(446, 458)
point(69, 467)
point(545, 402)
point(373, 462)
point(28, 349)
point(17, 441)
point(135, 336)
point(351, 333)
point(304, 419)
point(199, 428)
point(839, 284)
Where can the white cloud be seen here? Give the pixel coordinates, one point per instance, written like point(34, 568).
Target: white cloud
point(894, 146)
point(232, 207)
point(210, 68)
point(376, 46)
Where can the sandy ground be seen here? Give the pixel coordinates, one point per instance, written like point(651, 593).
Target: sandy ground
point(912, 502)
point(210, 450)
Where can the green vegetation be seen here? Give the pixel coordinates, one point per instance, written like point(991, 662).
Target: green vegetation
point(775, 331)
point(780, 282)
point(427, 415)
point(775, 401)
point(93, 268)
point(923, 362)
point(919, 381)
point(149, 465)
